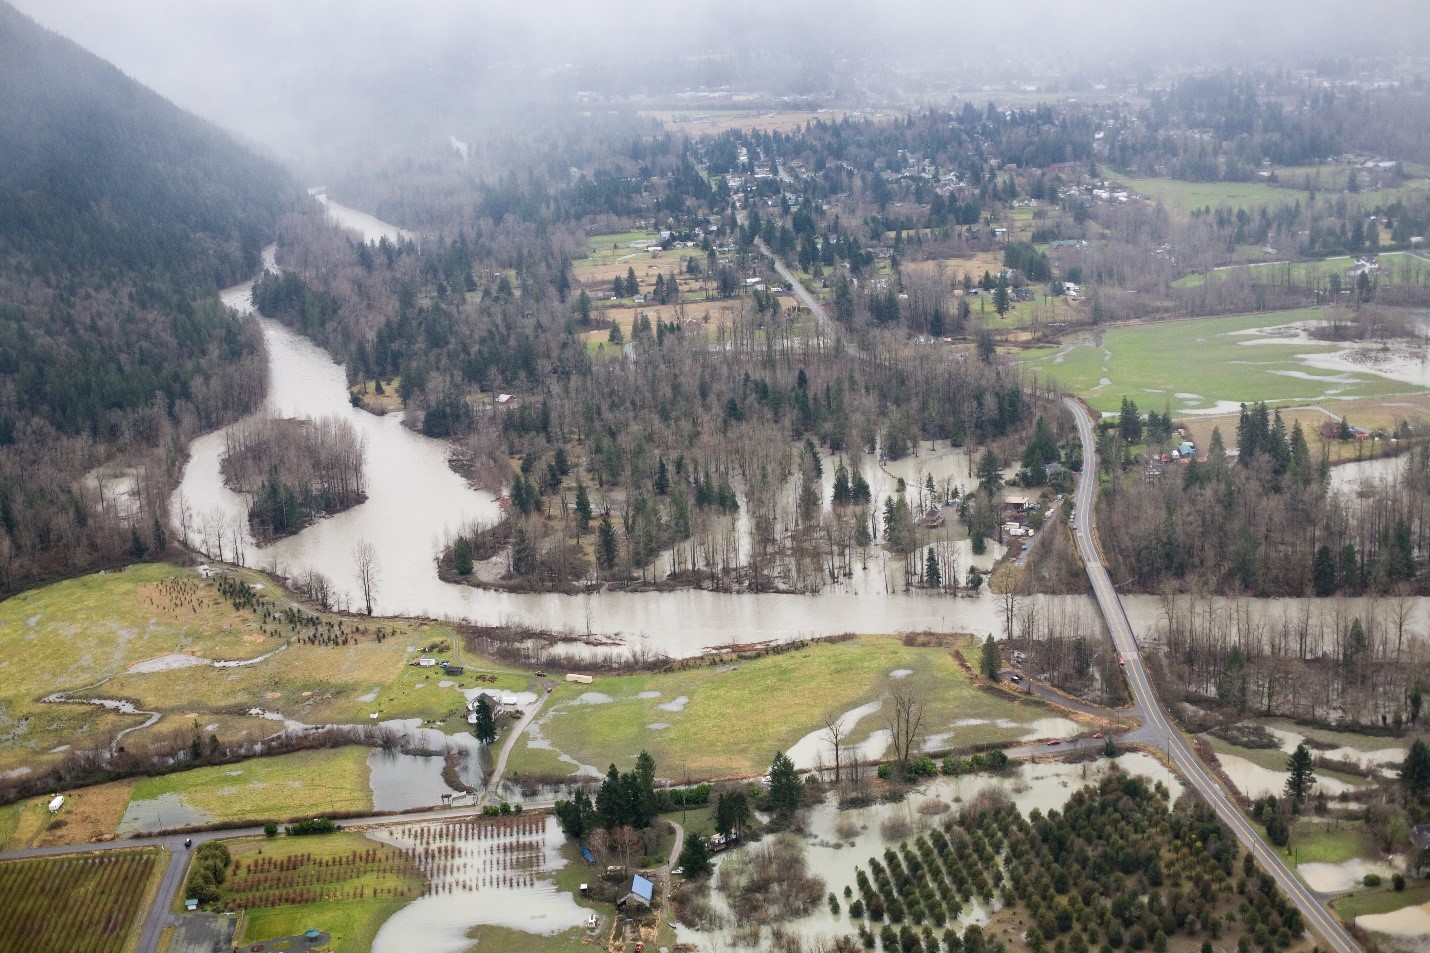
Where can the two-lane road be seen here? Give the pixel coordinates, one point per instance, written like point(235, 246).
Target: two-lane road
point(1157, 726)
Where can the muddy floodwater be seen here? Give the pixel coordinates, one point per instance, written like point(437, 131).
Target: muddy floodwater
point(415, 503)
point(481, 871)
point(839, 841)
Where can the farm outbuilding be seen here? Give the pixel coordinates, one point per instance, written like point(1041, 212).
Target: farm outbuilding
point(641, 891)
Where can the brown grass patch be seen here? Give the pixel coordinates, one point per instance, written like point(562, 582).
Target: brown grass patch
point(88, 815)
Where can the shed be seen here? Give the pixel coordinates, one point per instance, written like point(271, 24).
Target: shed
point(191, 904)
point(641, 891)
point(579, 679)
point(586, 853)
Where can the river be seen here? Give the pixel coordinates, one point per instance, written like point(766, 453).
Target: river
point(415, 502)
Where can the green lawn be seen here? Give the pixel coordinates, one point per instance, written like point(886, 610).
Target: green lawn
point(1318, 842)
point(1395, 268)
point(1186, 196)
point(737, 717)
point(1193, 364)
point(1380, 900)
point(352, 921)
point(303, 784)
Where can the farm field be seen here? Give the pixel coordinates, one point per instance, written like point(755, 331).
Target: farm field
point(77, 904)
point(298, 785)
point(612, 720)
point(1186, 196)
point(1395, 268)
point(1203, 366)
point(87, 815)
point(75, 633)
point(343, 884)
point(150, 634)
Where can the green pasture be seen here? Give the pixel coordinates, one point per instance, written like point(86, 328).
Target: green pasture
point(737, 716)
point(298, 785)
point(1193, 364)
point(1395, 268)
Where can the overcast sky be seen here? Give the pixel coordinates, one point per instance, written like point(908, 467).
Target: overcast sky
point(284, 71)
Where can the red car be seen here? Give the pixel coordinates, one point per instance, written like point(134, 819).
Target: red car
point(1054, 741)
point(1097, 734)
point(1121, 660)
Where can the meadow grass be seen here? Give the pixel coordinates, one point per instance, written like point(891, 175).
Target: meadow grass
point(353, 923)
point(1381, 900)
point(737, 716)
point(74, 633)
point(1317, 842)
point(1396, 268)
point(1203, 358)
point(298, 785)
point(1187, 196)
point(82, 632)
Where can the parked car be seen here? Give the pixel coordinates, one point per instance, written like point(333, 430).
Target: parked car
point(1054, 741)
point(1097, 734)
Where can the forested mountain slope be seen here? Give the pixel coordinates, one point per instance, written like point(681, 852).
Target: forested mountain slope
point(120, 217)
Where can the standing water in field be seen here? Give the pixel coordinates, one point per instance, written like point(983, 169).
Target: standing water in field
point(480, 871)
point(838, 841)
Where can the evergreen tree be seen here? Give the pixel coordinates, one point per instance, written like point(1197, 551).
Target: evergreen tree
point(786, 792)
point(695, 856)
point(990, 479)
point(607, 549)
point(1323, 571)
point(582, 508)
point(842, 493)
point(932, 577)
point(1415, 773)
point(1129, 422)
point(990, 661)
point(732, 812)
point(485, 729)
point(1231, 684)
point(462, 556)
point(1302, 776)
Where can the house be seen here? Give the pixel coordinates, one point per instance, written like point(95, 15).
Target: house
point(505, 400)
point(1187, 449)
point(640, 891)
point(933, 518)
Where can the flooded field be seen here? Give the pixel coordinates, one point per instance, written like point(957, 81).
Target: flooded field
point(840, 841)
point(481, 872)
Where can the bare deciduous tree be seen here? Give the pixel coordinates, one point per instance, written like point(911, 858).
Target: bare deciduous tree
point(365, 561)
point(835, 732)
point(906, 720)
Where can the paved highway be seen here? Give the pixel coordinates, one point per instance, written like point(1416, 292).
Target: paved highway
point(1157, 728)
